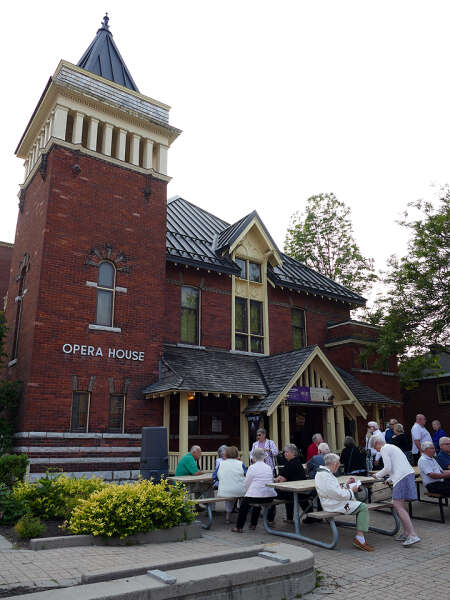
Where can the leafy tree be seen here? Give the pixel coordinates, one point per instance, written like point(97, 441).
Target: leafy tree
point(322, 238)
point(9, 397)
point(415, 309)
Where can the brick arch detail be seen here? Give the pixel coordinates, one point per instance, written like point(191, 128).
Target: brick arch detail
point(107, 252)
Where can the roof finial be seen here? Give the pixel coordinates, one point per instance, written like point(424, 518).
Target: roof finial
point(105, 22)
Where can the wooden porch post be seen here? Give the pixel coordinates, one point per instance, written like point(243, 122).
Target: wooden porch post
point(183, 440)
point(244, 431)
point(273, 426)
point(377, 414)
point(166, 417)
point(331, 429)
point(285, 430)
point(340, 428)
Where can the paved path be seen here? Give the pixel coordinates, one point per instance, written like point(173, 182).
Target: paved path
point(416, 573)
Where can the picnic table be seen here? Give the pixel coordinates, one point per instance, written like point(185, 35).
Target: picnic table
point(308, 485)
point(196, 484)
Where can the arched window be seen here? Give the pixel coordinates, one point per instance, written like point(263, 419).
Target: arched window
point(19, 302)
point(106, 286)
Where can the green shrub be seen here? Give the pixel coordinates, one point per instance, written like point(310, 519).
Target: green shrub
point(56, 497)
point(13, 468)
point(29, 527)
point(132, 508)
point(11, 508)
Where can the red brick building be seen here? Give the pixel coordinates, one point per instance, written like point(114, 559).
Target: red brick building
point(127, 310)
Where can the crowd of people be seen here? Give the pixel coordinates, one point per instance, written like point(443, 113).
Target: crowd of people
point(388, 456)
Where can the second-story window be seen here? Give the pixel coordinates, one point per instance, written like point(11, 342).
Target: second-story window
point(190, 303)
point(248, 325)
point(249, 270)
point(105, 294)
point(298, 328)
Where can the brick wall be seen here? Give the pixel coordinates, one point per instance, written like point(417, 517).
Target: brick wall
point(6, 251)
point(65, 217)
point(424, 400)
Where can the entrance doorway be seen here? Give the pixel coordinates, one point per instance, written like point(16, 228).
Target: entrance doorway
point(305, 421)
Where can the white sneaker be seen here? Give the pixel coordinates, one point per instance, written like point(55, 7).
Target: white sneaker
point(410, 540)
point(401, 537)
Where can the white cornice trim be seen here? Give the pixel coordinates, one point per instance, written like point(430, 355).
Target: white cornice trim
point(356, 323)
point(349, 341)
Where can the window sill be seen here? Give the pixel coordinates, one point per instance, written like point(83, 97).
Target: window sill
point(248, 353)
point(12, 362)
point(105, 328)
point(195, 346)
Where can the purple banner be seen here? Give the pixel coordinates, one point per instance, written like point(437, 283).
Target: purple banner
point(299, 394)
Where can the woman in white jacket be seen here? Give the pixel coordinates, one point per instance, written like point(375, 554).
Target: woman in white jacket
point(337, 498)
point(231, 476)
point(402, 475)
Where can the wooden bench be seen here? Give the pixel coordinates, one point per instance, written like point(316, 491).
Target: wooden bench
point(208, 502)
point(442, 501)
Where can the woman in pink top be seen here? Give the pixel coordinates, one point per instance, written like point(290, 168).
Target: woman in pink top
point(256, 490)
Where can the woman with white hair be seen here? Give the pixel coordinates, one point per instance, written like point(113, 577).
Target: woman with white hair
point(402, 476)
point(256, 490)
point(335, 498)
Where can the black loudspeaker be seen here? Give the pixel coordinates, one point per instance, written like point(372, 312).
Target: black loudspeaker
point(154, 454)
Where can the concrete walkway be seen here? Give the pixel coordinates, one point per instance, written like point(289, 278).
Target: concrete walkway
point(415, 573)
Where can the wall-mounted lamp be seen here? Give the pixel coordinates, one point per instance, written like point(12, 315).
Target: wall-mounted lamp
point(191, 396)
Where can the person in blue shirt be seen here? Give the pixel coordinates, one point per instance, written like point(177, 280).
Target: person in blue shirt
point(437, 433)
point(389, 433)
point(443, 457)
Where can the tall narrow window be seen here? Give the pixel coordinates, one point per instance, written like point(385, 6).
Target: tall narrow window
point(189, 315)
point(105, 294)
point(116, 413)
point(298, 328)
point(242, 264)
point(80, 411)
point(241, 324)
point(19, 301)
point(248, 325)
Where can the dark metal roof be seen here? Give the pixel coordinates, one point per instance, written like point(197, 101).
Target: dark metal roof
point(198, 238)
point(103, 58)
point(219, 371)
point(362, 392)
point(296, 275)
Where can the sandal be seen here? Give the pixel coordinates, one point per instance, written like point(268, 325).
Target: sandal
point(236, 530)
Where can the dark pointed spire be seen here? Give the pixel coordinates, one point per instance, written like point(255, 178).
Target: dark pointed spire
point(103, 58)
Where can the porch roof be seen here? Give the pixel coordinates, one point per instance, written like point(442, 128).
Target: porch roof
point(263, 377)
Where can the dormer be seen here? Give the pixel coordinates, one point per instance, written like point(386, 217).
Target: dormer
point(96, 108)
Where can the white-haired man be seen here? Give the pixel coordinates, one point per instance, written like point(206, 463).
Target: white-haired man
point(419, 435)
point(335, 498)
point(401, 474)
point(188, 465)
point(434, 478)
point(318, 460)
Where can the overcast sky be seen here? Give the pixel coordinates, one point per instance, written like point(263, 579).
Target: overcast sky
point(277, 100)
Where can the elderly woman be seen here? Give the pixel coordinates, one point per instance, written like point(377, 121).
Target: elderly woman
point(256, 490)
point(402, 476)
point(231, 476)
point(292, 471)
point(335, 498)
point(352, 458)
point(219, 459)
point(400, 439)
point(269, 447)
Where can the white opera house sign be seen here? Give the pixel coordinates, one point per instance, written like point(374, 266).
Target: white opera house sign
point(119, 353)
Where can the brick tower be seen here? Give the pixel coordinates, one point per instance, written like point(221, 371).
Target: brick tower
point(86, 293)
